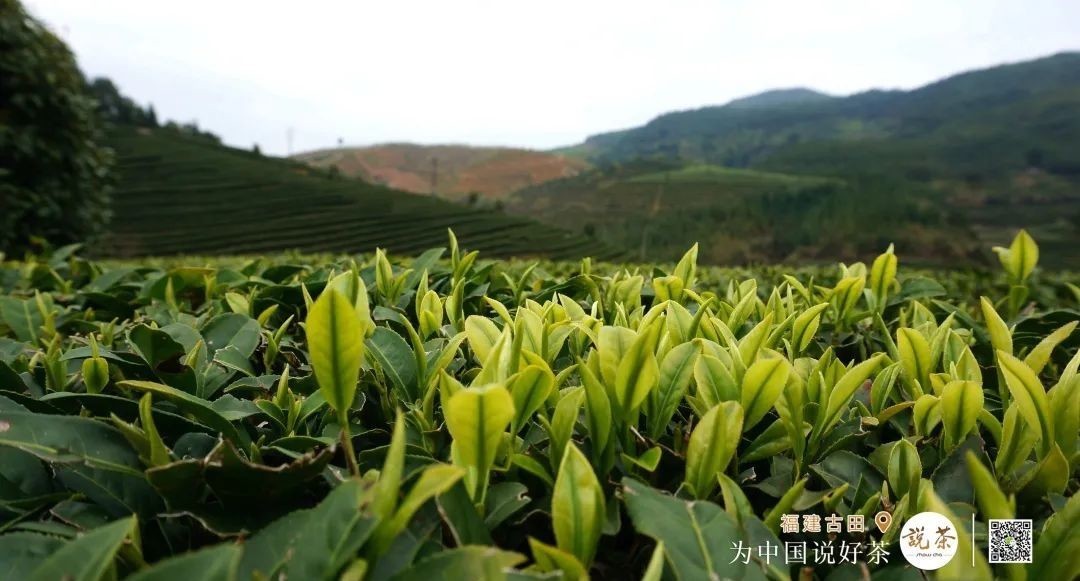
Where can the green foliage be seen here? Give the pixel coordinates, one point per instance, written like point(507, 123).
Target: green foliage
point(296, 417)
point(117, 108)
point(54, 168)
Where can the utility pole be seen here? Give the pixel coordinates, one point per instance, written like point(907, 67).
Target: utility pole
point(288, 140)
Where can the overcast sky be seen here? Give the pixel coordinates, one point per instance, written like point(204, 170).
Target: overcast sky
point(538, 74)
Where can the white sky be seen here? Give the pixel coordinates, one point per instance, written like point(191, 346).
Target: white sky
point(537, 74)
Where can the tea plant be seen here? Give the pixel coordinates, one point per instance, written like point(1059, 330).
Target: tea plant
point(453, 417)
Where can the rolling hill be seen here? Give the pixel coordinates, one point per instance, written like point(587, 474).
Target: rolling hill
point(987, 152)
point(741, 216)
point(450, 171)
point(182, 194)
point(975, 107)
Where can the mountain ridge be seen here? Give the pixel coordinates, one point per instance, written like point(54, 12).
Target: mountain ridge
point(957, 164)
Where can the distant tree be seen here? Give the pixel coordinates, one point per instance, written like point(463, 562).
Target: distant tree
point(191, 129)
point(474, 198)
point(116, 108)
point(255, 149)
point(54, 168)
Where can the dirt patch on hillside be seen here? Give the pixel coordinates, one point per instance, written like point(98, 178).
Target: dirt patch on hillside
point(451, 171)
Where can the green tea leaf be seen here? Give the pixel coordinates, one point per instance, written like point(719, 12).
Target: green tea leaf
point(552, 559)
point(1038, 356)
point(387, 487)
point(396, 361)
point(529, 389)
point(477, 418)
point(597, 408)
point(313, 543)
point(845, 389)
point(577, 506)
point(87, 558)
point(905, 469)
point(915, 358)
point(1020, 258)
point(676, 371)
point(715, 382)
point(335, 337)
point(159, 454)
point(69, 439)
point(482, 333)
point(697, 536)
point(961, 402)
point(712, 445)
point(21, 552)
point(992, 501)
point(477, 562)
point(957, 569)
point(232, 329)
point(882, 276)
point(190, 404)
point(1000, 335)
point(215, 563)
point(435, 480)
point(761, 387)
point(1057, 549)
point(805, 326)
point(638, 372)
point(1029, 395)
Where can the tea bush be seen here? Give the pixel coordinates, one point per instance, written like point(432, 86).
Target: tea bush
point(449, 417)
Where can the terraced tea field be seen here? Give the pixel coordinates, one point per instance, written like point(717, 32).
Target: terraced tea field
point(180, 195)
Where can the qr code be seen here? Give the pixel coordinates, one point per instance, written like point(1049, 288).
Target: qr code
point(1010, 540)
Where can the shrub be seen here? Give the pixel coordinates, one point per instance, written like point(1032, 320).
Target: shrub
point(54, 171)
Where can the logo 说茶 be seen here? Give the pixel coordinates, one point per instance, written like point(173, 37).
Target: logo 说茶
point(928, 540)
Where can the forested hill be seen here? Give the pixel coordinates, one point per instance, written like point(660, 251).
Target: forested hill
point(966, 118)
point(958, 164)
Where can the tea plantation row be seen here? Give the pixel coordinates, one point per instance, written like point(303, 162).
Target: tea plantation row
point(177, 194)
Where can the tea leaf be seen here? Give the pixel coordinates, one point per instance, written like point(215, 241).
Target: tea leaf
point(638, 373)
point(577, 506)
point(696, 535)
point(335, 337)
point(88, 557)
point(529, 389)
point(905, 469)
point(477, 418)
point(761, 387)
point(216, 563)
point(961, 402)
point(712, 445)
point(1029, 395)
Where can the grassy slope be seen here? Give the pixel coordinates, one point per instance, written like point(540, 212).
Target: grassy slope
point(492, 172)
point(179, 195)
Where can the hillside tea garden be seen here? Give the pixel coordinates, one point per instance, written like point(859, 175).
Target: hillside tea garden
point(448, 417)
